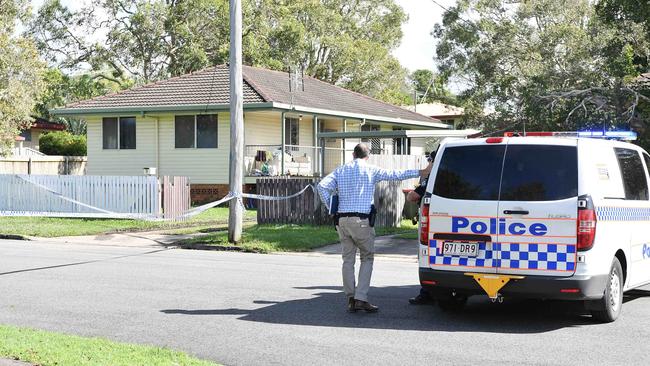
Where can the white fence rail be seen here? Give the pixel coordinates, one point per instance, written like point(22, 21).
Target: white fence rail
point(87, 196)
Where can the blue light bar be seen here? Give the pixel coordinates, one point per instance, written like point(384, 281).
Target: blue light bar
point(618, 135)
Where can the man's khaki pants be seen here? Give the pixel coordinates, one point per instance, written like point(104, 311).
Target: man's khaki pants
point(354, 233)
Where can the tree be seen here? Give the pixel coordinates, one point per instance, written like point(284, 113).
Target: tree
point(63, 143)
point(431, 87)
point(545, 64)
point(61, 89)
point(338, 41)
point(20, 74)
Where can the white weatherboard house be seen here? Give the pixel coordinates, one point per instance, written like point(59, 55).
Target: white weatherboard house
point(181, 126)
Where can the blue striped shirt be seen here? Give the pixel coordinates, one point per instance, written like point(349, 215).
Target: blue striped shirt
point(355, 183)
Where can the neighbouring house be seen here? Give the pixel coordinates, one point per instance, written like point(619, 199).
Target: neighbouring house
point(28, 140)
point(181, 126)
point(446, 113)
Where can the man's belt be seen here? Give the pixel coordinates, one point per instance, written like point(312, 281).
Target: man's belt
point(354, 214)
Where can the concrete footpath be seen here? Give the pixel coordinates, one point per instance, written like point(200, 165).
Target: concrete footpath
point(6, 362)
point(126, 239)
point(386, 246)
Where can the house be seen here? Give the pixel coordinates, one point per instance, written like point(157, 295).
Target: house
point(446, 113)
point(181, 126)
point(28, 140)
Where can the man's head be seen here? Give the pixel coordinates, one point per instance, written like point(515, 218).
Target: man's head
point(361, 151)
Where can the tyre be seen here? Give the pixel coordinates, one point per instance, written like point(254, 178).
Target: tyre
point(452, 302)
point(608, 308)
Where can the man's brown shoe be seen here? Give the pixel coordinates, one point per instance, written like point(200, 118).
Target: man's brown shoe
point(351, 307)
point(364, 305)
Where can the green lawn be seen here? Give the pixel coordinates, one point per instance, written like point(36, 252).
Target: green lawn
point(49, 349)
point(53, 226)
point(283, 238)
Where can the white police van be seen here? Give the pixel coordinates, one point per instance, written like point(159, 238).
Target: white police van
point(539, 217)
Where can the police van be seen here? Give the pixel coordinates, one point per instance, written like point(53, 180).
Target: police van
point(548, 215)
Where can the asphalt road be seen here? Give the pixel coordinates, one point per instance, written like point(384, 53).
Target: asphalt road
point(247, 309)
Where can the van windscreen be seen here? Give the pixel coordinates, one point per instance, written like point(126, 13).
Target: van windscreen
point(539, 173)
point(470, 172)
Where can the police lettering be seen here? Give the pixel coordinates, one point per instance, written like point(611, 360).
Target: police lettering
point(501, 227)
point(646, 251)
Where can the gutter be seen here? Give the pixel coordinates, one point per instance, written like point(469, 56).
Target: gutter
point(247, 106)
point(360, 116)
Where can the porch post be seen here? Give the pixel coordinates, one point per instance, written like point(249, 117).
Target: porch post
point(282, 128)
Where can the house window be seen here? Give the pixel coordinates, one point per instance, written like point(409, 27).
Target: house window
point(291, 132)
point(375, 143)
point(198, 131)
point(118, 132)
point(27, 134)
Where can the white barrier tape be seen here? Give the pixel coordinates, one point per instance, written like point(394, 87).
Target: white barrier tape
point(231, 195)
point(270, 198)
point(197, 210)
point(61, 196)
point(189, 213)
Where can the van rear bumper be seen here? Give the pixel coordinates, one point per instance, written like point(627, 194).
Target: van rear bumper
point(543, 287)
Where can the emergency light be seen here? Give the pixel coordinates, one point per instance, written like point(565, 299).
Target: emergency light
point(609, 135)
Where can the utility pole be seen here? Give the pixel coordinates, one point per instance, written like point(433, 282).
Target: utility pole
point(236, 122)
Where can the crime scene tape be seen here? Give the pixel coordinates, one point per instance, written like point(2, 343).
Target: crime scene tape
point(187, 214)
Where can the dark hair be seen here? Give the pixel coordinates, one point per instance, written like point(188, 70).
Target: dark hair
point(361, 151)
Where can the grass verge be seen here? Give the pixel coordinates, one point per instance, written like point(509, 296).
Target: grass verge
point(281, 238)
point(49, 348)
point(48, 227)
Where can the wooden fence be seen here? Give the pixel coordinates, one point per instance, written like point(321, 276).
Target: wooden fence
point(176, 196)
point(42, 165)
point(308, 209)
point(93, 196)
point(304, 209)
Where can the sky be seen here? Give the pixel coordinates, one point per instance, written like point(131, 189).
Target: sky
point(417, 48)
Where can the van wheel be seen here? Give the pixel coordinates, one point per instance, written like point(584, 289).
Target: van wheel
point(608, 308)
point(452, 302)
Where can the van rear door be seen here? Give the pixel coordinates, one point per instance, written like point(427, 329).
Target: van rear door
point(537, 210)
point(463, 206)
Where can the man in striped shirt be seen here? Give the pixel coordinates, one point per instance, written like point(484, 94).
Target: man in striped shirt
point(355, 184)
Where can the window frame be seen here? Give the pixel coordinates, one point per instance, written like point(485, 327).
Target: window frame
point(195, 144)
point(118, 137)
point(620, 168)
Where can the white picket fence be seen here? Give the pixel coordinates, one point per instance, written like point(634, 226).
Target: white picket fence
point(136, 197)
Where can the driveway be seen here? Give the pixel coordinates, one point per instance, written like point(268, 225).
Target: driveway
point(251, 309)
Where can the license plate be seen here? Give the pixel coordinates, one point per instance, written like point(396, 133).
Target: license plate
point(456, 248)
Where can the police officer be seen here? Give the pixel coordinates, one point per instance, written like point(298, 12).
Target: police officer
point(355, 183)
point(415, 196)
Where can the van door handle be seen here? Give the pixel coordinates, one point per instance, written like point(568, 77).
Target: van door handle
point(515, 212)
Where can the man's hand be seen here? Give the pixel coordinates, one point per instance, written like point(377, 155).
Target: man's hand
point(413, 197)
point(424, 173)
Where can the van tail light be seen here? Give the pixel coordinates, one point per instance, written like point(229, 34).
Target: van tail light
point(586, 229)
point(424, 222)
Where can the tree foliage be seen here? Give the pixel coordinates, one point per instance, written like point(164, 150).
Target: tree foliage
point(431, 87)
point(548, 64)
point(62, 143)
point(20, 74)
point(339, 41)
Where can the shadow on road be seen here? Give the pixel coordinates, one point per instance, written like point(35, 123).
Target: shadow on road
point(327, 308)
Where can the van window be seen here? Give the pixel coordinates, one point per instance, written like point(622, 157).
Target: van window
point(470, 172)
point(647, 163)
point(539, 173)
point(634, 181)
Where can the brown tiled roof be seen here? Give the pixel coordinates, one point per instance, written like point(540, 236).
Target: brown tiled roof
point(211, 87)
point(208, 86)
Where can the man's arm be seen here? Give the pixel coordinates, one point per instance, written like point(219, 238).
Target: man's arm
point(325, 188)
point(385, 174)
